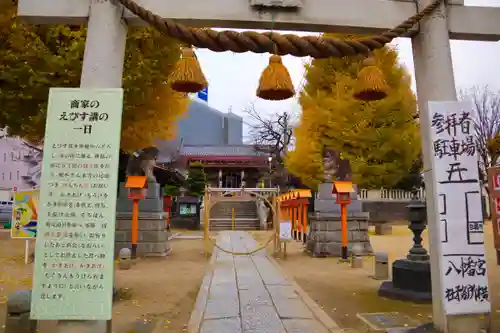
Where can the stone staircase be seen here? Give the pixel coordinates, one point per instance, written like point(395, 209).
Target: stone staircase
point(245, 212)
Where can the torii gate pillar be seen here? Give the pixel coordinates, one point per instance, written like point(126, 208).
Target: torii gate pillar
point(102, 68)
point(435, 82)
point(105, 46)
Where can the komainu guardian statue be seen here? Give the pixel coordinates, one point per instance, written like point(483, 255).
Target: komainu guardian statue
point(329, 165)
point(335, 166)
point(143, 162)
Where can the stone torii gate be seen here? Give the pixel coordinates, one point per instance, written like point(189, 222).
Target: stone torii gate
point(107, 30)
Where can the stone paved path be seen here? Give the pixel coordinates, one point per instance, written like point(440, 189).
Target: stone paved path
point(248, 294)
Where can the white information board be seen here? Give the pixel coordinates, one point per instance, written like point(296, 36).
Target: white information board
point(458, 208)
point(285, 230)
point(74, 257)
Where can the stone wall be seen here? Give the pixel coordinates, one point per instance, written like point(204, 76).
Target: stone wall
point(152, 238)
point(325, 234)
point(386, 211)
point(393, 210)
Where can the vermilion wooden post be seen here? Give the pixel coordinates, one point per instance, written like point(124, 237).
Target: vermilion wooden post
point(136, 186)
point(343, 191)
point(167, 208)
point(304, 220)
point(135, 226)
point(345, 240)
point(299, 220)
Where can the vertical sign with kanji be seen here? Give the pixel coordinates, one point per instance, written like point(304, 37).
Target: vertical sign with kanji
point(494, 189)
point(459, 210)
point(74, 264)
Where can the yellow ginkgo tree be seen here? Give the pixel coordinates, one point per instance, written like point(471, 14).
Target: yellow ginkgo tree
point(380, 138)
point(35, 58)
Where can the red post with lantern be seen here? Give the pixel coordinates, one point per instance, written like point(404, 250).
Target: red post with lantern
point(343, 191)
point(136, 186)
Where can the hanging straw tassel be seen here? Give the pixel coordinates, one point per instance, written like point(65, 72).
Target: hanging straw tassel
point(371, 85)
point(275, 82)
point(187, 76)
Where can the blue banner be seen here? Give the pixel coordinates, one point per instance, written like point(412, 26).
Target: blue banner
point(203, 95)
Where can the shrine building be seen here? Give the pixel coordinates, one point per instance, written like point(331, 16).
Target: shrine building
point(215, 139)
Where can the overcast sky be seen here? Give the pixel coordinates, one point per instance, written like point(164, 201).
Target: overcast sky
point(233, 78)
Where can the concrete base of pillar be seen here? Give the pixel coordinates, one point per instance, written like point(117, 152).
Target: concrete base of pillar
point(20, 323)
point(458, 324)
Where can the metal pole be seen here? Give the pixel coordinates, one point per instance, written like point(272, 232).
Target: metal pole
point(206, 222)
point(26, 251)
point(232, 218)
point(274, 202)
point(277, 225)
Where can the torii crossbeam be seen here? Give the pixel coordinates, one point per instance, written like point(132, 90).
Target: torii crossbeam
point(339, 16)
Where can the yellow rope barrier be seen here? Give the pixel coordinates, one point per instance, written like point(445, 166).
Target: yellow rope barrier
point(243, 253)
point(208, 204)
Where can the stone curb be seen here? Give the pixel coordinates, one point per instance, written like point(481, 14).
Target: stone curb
point(201, 299)
point(317, 311)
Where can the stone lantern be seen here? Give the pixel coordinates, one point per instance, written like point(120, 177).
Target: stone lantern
point(411, 277)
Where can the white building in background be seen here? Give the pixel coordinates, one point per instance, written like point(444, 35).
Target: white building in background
point(19, 164)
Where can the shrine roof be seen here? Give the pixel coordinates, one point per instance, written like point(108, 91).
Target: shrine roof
point(221, 151)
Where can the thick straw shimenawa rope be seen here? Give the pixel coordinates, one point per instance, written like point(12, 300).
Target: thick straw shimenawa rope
point(275, 43)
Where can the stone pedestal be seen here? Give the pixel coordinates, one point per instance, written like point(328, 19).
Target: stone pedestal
point(153, 235)
point(18, 313)
point(325, 231)
point(411, 280)
point(152, 203)
point(152, 238)
point(325, 201)
point(325, 234)
point(411, 277)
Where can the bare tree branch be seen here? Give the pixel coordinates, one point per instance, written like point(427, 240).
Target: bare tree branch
point(170, 153)
point(486, 104)
point(274, 131)
point(272, 135)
